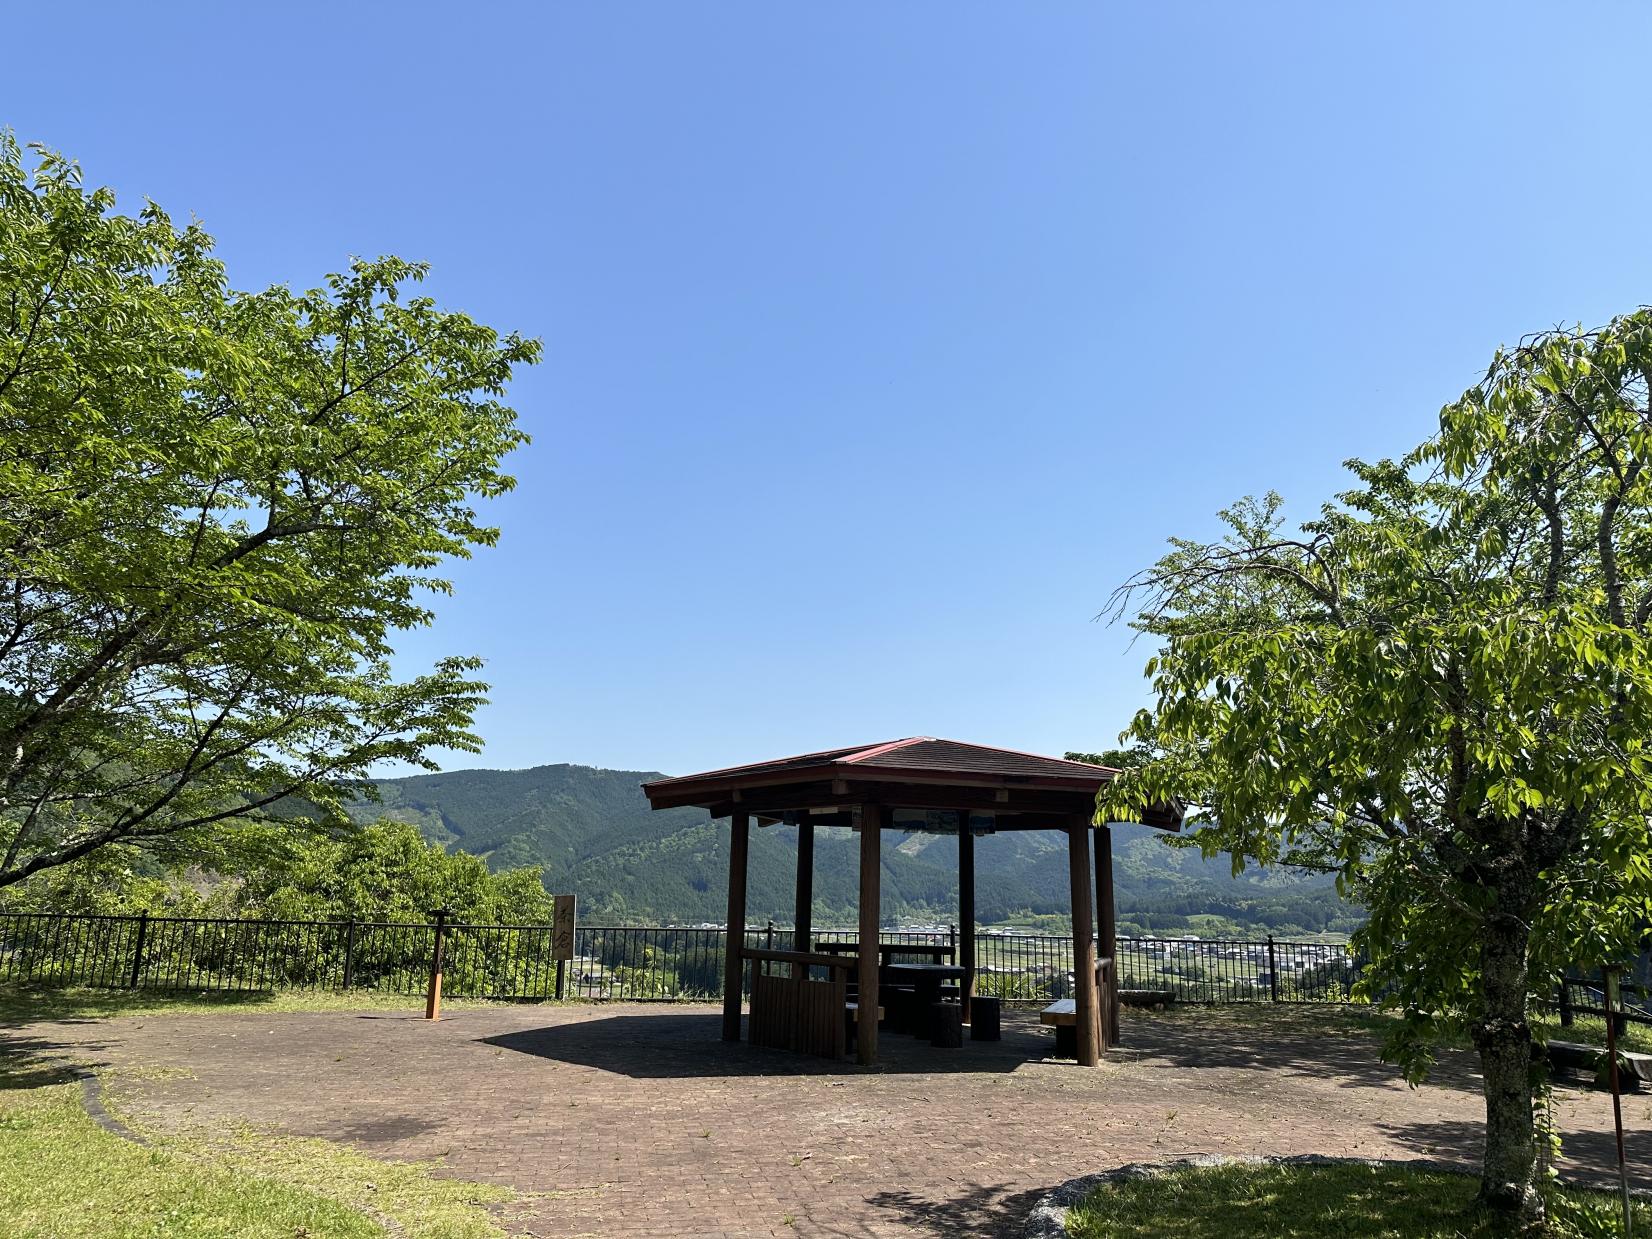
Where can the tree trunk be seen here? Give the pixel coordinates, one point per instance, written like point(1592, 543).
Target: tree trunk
point(1509, 1177)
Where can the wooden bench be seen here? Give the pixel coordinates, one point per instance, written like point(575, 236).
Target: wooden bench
point(851, 1016)
point(1063, 1013)
point(1634, 1070)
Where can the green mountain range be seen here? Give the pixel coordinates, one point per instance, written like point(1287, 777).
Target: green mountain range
point(592, 833)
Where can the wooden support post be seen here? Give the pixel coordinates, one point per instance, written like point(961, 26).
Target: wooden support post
point(734, 964)
point(966, 909)
point(1107, 929)
point(1084, 946)
point(803, 913)
point(433, 994)
point(871, 861)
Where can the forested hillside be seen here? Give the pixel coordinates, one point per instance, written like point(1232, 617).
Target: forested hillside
point(591, 832)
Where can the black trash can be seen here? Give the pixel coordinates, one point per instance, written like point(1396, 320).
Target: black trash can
point(984, 1018)
point(946, 1023)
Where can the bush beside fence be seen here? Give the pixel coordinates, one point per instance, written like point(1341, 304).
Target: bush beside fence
point(631, 963)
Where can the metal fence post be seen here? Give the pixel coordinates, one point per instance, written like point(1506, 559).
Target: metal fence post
point(1273, 970)
point(768, 936)
point(349, 952)
point(1612, 991)
point(1566, 1015)
point(137, 953)
point(433, 995)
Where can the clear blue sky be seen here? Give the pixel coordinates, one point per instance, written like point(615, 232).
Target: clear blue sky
point(883, 340)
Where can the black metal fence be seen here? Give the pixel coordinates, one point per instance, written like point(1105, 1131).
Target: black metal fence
point(647, 963)
point(1587, 996)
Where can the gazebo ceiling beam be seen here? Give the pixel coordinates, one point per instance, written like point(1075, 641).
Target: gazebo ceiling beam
point(844, 819)
point(850, 782)
point(769, 801)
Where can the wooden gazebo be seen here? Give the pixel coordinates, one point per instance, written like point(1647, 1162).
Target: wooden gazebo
point(920, 783)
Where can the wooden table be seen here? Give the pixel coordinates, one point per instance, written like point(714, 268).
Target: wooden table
point(926, 982)
point(886, 949)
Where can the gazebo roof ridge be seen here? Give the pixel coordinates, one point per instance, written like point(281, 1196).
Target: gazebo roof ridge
point(869, 755)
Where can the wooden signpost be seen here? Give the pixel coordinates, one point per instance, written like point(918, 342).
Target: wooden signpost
point(562, 939)
point(433, 992)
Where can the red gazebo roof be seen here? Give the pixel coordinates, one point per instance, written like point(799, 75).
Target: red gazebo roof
point(924, 761)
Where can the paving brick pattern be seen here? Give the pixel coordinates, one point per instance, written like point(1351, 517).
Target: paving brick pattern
point(638, 1120)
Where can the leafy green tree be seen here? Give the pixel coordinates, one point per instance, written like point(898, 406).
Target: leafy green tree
point(1118, 759)
point(216, 510)
point(387, 872)
point(119, 880)
point(384, 871)
point(1441, 689)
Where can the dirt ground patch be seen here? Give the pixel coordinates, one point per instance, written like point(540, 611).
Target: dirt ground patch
point(638, 1120)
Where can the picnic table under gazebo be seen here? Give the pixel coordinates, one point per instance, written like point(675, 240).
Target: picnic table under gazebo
point(923, 784)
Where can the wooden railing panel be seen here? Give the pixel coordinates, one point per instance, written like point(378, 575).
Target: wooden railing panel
point(1107, 998)
point(799, 1014)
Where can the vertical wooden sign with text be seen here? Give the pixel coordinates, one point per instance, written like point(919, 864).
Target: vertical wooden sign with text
point(562, 940)
point(562, 928)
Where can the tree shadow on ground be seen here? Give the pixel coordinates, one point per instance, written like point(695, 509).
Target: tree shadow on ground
point(673, 1045)
point(981, 1212)
point(36, 1062)
point(1322, 1043)
point(21, 1006)
point(1587, 1157)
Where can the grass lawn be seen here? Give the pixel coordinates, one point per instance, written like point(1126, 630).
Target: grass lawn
point(1591, 1030)
point(67, 1178)
point(1340, 1019)
point(24, 1004)
point(1285, 1202)
point(1351, 1020)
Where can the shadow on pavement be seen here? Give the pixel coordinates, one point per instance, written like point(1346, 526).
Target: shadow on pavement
point(1272, 1040)
point(35, 1062)
point(982, 1212)
point(1587, 1157)
point(685, 1046)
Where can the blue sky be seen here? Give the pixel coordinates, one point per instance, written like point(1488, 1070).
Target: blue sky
point(882, 341)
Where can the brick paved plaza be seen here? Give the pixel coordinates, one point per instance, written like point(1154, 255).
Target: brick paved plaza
point(638, 1120)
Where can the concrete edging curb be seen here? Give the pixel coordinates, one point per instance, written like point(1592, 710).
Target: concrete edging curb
point(91, 1100)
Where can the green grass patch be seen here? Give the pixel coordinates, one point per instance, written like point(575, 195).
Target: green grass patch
point(1358, 1020)
point(67, 1178)
point(1264, 1018)
point(1591, 1030)
point(1242, 1201)
point(26, 1004)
